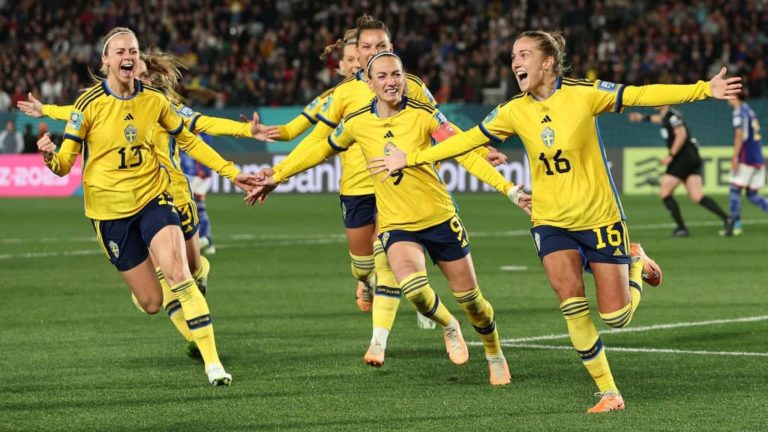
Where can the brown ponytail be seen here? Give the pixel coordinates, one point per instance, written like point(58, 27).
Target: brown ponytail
point(553, 45)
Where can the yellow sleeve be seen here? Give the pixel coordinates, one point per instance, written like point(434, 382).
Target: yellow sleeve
point(318, 137)
point(219, 126)
point(483, 170)
point(664, 94)
point(338, 141)
point(450, 148)
point(294, 128)
point(206, 155)
point(57, 112)
point(64, 157)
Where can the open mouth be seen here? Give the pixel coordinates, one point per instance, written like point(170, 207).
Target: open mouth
point(126, 68)
point(522, 77)
point(392, 91)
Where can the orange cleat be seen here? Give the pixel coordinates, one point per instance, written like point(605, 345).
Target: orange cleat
point(609, 401)
point(499, 371)
point(364, 295)
point(651, 270)
point(375, 355)
point(454, 343)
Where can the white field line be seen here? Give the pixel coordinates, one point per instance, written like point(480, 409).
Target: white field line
point(332, 238)
point(644, 350)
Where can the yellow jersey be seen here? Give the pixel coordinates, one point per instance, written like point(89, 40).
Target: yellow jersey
point(571, 183)
point(122, 172)
point(305, 120)
point(350, 94)
point(167, 151)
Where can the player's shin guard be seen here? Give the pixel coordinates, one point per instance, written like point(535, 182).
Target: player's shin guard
point(172, 307)
point(417, 290)
point(710, 204)
point(198, 319)
point(481, 315)
point(387, 296)
point(757, 200)
point(586, 341)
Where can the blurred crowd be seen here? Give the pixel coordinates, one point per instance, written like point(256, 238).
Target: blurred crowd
point(267, 52)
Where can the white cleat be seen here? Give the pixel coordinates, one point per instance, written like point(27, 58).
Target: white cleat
point(424, 322)
point(217, 376)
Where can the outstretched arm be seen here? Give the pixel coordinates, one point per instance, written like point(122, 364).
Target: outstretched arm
point(718, 87)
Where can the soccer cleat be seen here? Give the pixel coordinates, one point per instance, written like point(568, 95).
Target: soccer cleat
point(727, 230)
point(192, 350)
point(609, 401)
point(424, 322)
point(454, 343)
point(499, 370)
point(217, 376)
point(651, 270)
point(737, 229)
point(680, 232)
point(210, 250)
point(375, 355)
point(364, 293)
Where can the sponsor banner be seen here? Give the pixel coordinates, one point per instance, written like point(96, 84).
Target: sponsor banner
point(643, 169)
point(325, 177)
point(26, 176)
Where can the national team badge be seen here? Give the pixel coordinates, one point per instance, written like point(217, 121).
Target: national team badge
point(537, 241)
point(344, 211)
point(607, 86)
point(114, 249)
point(327, 103)
point(339, 130)
point(489, 118)
point(548, 137)
point(75, 120)
point(384, 239)
point(130, 133)
point(313, 104)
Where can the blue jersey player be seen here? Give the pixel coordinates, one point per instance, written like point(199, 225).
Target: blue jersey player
point(748, 164)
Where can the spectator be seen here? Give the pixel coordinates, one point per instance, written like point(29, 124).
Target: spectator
point(11, 141)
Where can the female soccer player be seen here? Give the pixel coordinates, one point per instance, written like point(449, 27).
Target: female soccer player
point(415, 210)
point(125, 198)
point(684, 166)
point(577, 216)
point(163, 71)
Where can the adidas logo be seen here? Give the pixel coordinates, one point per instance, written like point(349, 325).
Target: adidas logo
point(128, 117)
point(546, 119)
point(389, 134)
point(618, 252)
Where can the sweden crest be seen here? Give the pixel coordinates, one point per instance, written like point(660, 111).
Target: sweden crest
point(548, 137)
point(131, 133)
point(114, 249)
point(384, 239)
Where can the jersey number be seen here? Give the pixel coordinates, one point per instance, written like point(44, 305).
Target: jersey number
point(614, 236)
point(136, 152)
point(562, 165)
point(458, 228)
point(756, 130)
point(398, 175)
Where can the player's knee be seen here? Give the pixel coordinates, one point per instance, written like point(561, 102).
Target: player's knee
point(149, 305)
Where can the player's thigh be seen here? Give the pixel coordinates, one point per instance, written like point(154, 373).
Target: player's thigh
point(611, 285)
point(564, 272)
point(360, 240)
point(143, 283)
point(668, 184)
point(192, 245)
point(693, 186)
point(168, 248)
point(405, 258)
point(460, 273)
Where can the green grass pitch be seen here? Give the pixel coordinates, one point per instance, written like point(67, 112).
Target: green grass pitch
point(76, 355)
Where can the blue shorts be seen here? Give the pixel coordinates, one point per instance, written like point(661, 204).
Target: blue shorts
point(446, 241)
point(126, 241)
point(358, 210)
point(189, 219)
point(607, 244)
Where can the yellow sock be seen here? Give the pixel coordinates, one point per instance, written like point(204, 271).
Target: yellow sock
point(622, 317)
point(387, 296)
point(173, 307)
point(586, 341)
point(198, 319)
point(481, 315)
point(417, 290)
point(201, 275)
point(362, 266)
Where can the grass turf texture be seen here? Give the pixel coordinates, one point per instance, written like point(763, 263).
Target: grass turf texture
point(76, 355)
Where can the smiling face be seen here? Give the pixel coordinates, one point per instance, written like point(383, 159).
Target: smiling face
point(121, 57)
point(387, 79)
point(529, 64)
point(349, 63)
point(371, 42)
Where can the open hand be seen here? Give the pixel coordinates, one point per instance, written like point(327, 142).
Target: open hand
point(393, 160)
point(31, 107)
point(723, 88)
point(259, 131)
